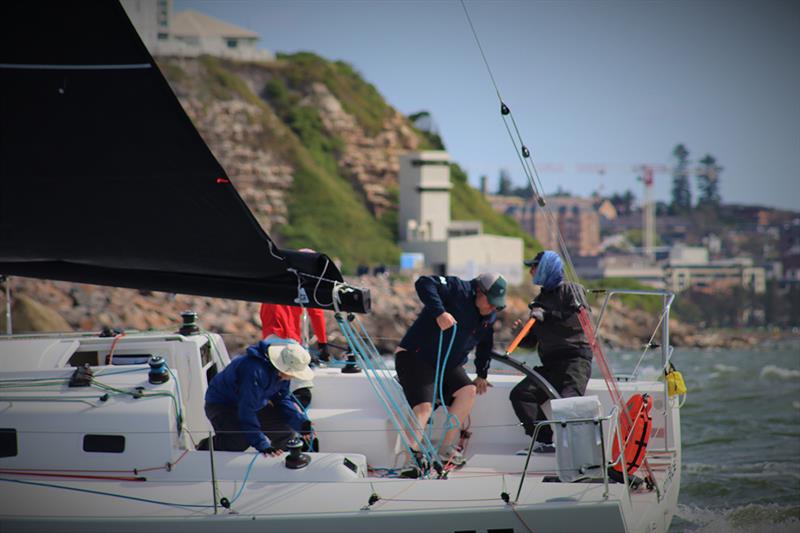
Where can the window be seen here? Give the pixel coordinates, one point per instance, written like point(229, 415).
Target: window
point(104, 443)
point(232, 43)
point(8, 442)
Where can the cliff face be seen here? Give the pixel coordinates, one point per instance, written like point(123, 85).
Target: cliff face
point(312, 148)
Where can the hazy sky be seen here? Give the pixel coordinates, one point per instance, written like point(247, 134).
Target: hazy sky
point(614, 83)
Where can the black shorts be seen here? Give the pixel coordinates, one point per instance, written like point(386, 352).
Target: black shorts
point(416, 375)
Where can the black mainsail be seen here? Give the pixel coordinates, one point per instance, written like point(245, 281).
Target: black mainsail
point(105, 180)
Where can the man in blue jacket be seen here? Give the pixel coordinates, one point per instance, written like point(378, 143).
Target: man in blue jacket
point(250, 397)
point(470, 306)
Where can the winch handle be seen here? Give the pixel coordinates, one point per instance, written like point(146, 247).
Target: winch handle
point(521, 335)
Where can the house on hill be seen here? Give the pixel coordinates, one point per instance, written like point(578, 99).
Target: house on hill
point(190, 33)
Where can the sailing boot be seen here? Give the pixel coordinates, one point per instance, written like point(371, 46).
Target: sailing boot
point(414, 466)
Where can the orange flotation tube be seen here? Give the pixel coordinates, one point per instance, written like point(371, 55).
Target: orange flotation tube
point(635, 429)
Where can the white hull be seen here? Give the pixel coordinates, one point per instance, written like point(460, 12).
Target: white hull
point(325, 496)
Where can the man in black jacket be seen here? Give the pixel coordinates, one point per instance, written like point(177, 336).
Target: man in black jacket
point(471, 307)
point(563, 348)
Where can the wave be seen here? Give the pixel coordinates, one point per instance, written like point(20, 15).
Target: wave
point(725, 368)
point(751, 518)
point(779, 372)
point(765, 468)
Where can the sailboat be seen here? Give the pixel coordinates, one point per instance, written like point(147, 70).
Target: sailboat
point(104, 180)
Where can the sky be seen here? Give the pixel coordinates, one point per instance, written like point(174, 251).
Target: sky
point(592, 84)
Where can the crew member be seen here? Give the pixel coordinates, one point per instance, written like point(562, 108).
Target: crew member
point(248, 403)
point(564, 351)
point(449, 301)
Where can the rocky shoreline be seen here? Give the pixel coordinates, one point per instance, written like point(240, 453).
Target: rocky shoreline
point(40, 305)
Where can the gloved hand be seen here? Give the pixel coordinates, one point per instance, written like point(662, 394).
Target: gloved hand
point(324, 355)
point(306, 428)
point(537, 313)
point(274, 452)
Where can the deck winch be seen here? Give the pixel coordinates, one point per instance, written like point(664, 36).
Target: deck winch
point(158, 370)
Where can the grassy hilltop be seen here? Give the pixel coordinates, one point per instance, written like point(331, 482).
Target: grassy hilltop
point(338, 142)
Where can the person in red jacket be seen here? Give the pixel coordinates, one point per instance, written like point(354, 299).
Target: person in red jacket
point(285, 322)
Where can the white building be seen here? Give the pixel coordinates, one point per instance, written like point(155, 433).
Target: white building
point(190, 34)
point(457, 248)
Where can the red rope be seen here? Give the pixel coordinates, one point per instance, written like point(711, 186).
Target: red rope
point(78, 476)
point(110, 356)
point(626, 424)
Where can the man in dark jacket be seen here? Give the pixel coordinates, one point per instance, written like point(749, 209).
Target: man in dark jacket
point(563, 348)
point(250, 397)
point(470, 306)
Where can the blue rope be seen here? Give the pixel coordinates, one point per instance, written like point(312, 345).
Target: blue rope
point(425, 445)
point(438, 384)
point(305, 412)
point(355, 344)
point(246, 475)
point(135, 498)
point(359, 348)
point(179, 400)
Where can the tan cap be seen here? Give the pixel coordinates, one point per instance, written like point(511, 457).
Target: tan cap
point(291, 359)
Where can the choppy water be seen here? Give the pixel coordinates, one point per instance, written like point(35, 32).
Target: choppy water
point(741, 441)
point(741, 438)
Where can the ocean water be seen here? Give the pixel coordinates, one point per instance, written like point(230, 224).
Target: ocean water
point(741, 441)
point(741, 437)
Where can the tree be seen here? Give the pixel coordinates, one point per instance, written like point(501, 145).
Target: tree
point(681, 190)
point(708, 182)
point(623, 203)
point(504, 183)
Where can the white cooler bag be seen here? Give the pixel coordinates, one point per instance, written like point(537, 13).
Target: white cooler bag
point(579, 453)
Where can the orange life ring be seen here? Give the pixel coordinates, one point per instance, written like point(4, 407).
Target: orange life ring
point(635, 433)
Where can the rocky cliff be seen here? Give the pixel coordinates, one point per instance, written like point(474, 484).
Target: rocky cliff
point(40, 305)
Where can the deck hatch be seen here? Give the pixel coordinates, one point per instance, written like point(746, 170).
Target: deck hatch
point(8, 442)
point(104, 443)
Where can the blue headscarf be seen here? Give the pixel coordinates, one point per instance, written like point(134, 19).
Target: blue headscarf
point(550, 271)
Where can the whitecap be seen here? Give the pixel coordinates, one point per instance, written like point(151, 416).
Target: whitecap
point(725, 368)
point(779, 372)
point(751, 518)
point(796, 405)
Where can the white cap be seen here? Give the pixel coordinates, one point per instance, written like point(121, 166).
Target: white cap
point(291, 359)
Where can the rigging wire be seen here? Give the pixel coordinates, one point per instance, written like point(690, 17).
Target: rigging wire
point(524, 156)
point(530, 172)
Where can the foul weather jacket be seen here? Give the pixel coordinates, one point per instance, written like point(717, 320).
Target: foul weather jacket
point(457, 297)
point(284, 321)
point(560, 335)
point(250, 381)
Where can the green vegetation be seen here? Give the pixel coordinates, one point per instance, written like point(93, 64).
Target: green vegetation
point(467, 203)
point(429, 139)
point(357, 97)
point(650, 304)
point(325, 210)
point(323, 206)
point(222, 84)
point(306, 123)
